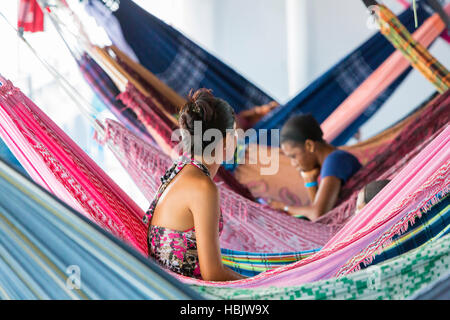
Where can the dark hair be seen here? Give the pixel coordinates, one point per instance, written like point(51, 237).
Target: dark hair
point(212, 112)
point(300, 128)
point(372, 189)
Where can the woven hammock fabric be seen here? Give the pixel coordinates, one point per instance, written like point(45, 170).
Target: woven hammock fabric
point(433, 225)
point(419, 56)
point(395, 279)
point(423, 181)
point(176, 60)
point(381, 78)
point(44, 245)
point(55, 162)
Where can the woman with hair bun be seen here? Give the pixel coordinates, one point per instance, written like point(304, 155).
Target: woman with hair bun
point(184, 219)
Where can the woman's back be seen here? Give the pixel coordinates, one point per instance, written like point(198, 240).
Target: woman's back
point(175, 200)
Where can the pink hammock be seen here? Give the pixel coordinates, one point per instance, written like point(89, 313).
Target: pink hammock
point(55, 162)
point(413, 190)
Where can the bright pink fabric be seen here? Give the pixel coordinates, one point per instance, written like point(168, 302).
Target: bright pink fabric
point(390, 212)
point(380, 80)
point(54, 161)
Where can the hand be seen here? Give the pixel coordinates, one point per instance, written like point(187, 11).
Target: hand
point(310, 176)
point(277, 205)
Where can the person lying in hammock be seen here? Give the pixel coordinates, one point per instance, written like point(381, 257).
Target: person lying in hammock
point(324, 168)
point(184, 219)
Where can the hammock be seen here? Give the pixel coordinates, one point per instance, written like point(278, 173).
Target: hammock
point(263, 230)
point(56, 163)
point(43, 243)
point(180, 71)
point(396, 279)
point(273, 187)
point(423, 181)
point(393, 67)
point(331, 89)
point(436, 116)
point(433, 225)
point(419, 57)
point(248, 226)
point(436, 290)
point(176, 60)
point(112, 270)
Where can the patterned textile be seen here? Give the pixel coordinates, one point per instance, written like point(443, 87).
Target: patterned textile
point(252, 263)
point(55, 162)
point(437, 115)
point(339, 82)
point(368, 149)
point(408, 193)
point(175, 250)
point(106, 90)
point(395, 279)
point(49, 251)
point(378, 81)
point(30, 16)
point(419, 56)
point(151, 117)
point(182, 65)
point(433, 225)
point(178, 61)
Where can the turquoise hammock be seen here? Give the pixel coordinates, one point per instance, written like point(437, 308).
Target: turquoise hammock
point(166, 52)
point(43, 242)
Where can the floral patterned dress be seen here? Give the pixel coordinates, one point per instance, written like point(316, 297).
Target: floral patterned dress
point(175, 250)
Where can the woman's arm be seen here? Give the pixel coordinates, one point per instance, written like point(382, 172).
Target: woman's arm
point(311, 177)
point(324, 201)
point(204, 205)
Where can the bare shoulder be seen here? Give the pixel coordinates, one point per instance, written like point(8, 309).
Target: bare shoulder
point(198, 184)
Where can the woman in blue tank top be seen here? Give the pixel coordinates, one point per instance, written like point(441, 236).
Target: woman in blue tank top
point(324, 168)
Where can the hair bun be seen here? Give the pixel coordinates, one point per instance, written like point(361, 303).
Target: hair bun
point(212, 112)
